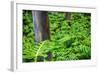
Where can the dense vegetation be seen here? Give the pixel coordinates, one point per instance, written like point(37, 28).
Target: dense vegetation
point(69, 40)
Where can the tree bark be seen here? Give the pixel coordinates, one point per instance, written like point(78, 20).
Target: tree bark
point(41, 25)
point(68, 16)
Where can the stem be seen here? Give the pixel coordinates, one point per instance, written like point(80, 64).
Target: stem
point(39, 51)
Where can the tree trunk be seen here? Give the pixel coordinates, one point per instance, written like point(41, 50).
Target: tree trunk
point(41, 25)
point(68, 16)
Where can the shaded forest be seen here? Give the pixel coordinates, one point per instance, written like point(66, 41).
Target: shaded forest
point(69, 39)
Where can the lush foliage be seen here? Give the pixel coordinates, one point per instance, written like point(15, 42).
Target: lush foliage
point(69, 40)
